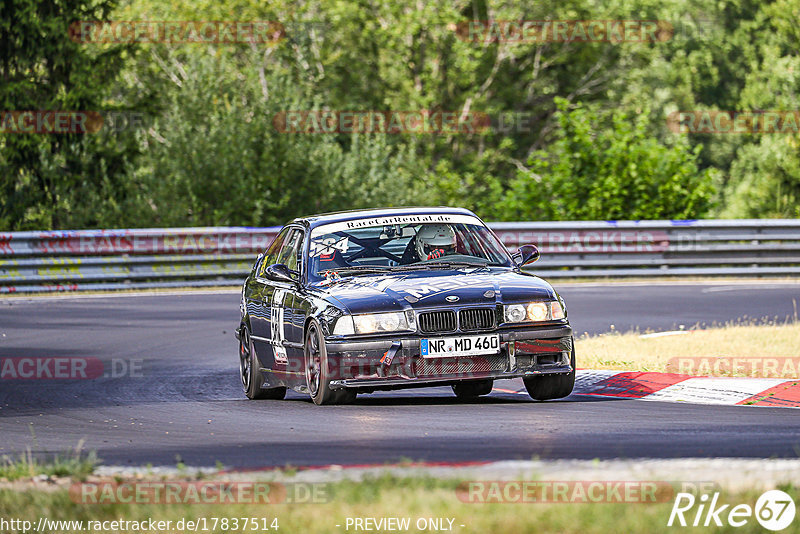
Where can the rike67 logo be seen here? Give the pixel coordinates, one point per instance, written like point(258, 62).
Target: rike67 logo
point(774, 510)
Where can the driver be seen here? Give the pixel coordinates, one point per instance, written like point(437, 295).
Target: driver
point(434, 241)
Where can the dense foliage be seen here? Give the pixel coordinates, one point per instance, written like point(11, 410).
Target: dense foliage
point(578, 129)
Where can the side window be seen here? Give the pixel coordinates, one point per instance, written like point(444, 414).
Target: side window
point(295, 259)
point(291, 247)
point(272, 252)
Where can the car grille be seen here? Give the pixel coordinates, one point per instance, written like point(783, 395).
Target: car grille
point(438, 321)
point(476, 319)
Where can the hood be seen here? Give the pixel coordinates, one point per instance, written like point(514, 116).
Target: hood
point(426, 289)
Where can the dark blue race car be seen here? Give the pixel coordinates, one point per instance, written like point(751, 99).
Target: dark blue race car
point(359, 301)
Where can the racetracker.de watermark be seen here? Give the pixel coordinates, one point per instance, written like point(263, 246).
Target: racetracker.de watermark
point(199, 492)
point(588, 241)
point(575, 491)
point(69, 122)
point(734, 122)
point(752, 366)
point(131, 242)
point(395, 365)
point(177, 31)
point(69, 368)
point(563, 31)
point(384, 122)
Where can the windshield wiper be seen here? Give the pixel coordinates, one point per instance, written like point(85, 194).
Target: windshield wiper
point(366, 269)
point(438, 265)
point(357, 269)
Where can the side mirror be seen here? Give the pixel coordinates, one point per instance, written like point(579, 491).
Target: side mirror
point(525, 255)
point(279, 273)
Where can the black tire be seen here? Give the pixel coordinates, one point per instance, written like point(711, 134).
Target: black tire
point(546, 387)
point(251, 377)
point(318, 370)
point(472, 389)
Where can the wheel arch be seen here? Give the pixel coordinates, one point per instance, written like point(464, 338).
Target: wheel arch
point(244, 322)
point(309, 319)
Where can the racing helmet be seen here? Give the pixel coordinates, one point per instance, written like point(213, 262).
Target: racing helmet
point(433, 237)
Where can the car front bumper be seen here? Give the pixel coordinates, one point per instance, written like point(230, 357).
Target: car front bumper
point(363, 363)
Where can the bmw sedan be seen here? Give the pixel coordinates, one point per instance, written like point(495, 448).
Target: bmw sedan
point(361, 301)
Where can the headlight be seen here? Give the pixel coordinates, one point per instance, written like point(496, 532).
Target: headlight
point(534, 311)
point(379, 322)
point(515, 313)
point(537, 311)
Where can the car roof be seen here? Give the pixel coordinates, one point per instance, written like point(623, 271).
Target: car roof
point(312, 221)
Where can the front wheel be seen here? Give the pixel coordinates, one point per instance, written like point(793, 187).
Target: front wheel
point(546, 387)
point(318, 371)
point(250, 374)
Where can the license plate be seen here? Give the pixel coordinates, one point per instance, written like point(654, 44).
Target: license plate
point(445, 347)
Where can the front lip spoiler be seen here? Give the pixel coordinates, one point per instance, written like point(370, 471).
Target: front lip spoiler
point(400, 382)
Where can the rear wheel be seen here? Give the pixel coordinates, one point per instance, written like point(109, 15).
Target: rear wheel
point(546, 387)
point(318, 371)
point(472, 389)
point(250, 374)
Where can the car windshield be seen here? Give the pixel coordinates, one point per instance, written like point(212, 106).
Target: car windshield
point(383, 244)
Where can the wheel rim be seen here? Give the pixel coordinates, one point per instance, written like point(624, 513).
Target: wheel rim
point(313, 362)
point(244, 359)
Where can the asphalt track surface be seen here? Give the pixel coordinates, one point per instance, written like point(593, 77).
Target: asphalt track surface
point(187, 403)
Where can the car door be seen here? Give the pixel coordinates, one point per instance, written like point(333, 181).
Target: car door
point(277, 307)
point(296, 309)
point(259, 297)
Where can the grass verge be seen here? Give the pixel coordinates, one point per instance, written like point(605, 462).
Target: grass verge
point(770, 350)
point(377, 497)
point(74, 464)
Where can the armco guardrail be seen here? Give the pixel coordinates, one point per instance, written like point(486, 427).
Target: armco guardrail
point(71, 260)
point(178, 257)
point(734, 247)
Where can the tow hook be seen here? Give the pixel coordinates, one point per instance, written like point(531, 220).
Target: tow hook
point(388, 357)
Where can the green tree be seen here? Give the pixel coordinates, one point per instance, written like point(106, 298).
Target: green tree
point(603, 165)
point(764, 177)
point(59, 180)
point(215, 156)
point(210, 154)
